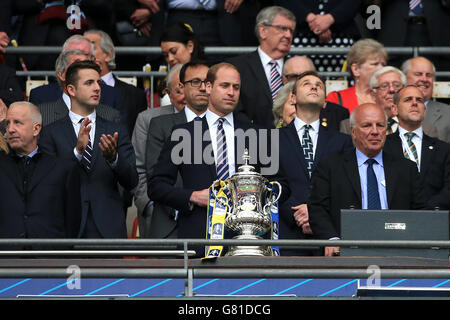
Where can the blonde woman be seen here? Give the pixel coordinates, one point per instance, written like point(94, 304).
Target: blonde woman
point(283, 109)
point(364, 58)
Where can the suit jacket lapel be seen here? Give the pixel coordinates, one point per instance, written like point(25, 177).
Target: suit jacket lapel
point(100, 128)
point(351, 170)
point(321, 147)
point(258, 69)
point(390, 176)
point(12, 171)
point(427, 154)
point(60, 109)
point(206, 144)
point(43, 166)
point(294, 141)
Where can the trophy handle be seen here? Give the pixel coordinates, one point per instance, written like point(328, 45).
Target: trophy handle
point(269, 203)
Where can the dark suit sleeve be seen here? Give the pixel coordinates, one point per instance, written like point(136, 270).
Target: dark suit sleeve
point(126, 163)
point(10, 90)
point(161, 184)
point(319, 203)
point(72, 213)
point(440, 199)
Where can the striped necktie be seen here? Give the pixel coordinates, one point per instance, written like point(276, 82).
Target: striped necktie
point(307, 147)
point(416, 7)
point(222, 152)
point(412, 147)
point(373, 197)
point(86, 160)
point(275, 79)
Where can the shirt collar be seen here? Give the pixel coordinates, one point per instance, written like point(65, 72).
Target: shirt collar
point(66, 99)
point(212, 118)
point(361, 158)
point(265, 59)
point(109, 79)
point(190, 115)
point(31, 154)
point(299, 123)
point(75, 118)
point(418, 131)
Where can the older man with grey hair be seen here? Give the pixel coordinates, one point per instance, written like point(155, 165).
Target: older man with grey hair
point(261, 70)
point(139, 141)
point(421, 72)
point(40, 193)
point(134, 99)
point(54, 92)
point(385, 83)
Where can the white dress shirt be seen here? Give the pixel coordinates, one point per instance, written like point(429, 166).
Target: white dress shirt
point(109, 79)
point(265, 60)
point(313, 132)
point(228, 126)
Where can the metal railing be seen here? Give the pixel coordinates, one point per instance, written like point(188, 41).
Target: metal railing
point(137, 247)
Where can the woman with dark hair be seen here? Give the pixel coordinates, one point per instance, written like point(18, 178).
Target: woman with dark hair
point(179, 44)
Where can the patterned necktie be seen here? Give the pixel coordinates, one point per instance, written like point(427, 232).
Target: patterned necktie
point(390, 123)
point(373, 197)
point(307, 147)
point(416, 7)
point(87, 154)
point(275, 79)
point(412, 147)
point(222, 152)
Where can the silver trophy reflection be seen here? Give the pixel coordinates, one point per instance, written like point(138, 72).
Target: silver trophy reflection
point(249, 212)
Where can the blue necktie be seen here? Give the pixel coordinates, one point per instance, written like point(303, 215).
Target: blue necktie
point(87, 154)
point(222, 152)
point(373, 197)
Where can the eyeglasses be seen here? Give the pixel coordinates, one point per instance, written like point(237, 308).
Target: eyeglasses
point(281, 28)
point(196, 83)
point(292, 76)
point(386, 85)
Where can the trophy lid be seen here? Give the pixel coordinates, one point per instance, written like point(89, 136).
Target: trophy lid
point(246, 168)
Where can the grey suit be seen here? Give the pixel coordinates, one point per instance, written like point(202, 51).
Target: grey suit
point(52, 111)
point(162, 223)
point(438, 114)
point(139, 140)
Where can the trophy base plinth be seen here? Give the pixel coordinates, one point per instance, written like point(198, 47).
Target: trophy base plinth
point(249, 250)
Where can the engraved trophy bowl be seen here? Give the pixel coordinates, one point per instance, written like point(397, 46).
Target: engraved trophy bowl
point(250, 215)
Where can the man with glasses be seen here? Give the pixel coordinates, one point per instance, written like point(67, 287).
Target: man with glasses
point(192, 78)
point(331, 113)
point(432, 156)
point(261, 70)
point(384, 83)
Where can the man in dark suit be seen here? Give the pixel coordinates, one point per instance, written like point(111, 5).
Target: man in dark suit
point(134, 99)
point(432, 156)
point(302, 144)
point(100, 147)
point(261, 70)
point(192, 79)
point(139, 141)
point(54, 91)
point(40, 193)
point(365, 178)
point(198, 171)
point(331, 114)
point(58, 109)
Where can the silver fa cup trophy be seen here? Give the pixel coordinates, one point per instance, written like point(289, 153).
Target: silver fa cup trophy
point(249, 213)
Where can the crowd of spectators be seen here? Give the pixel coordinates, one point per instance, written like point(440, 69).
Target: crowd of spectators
point(90, 31)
